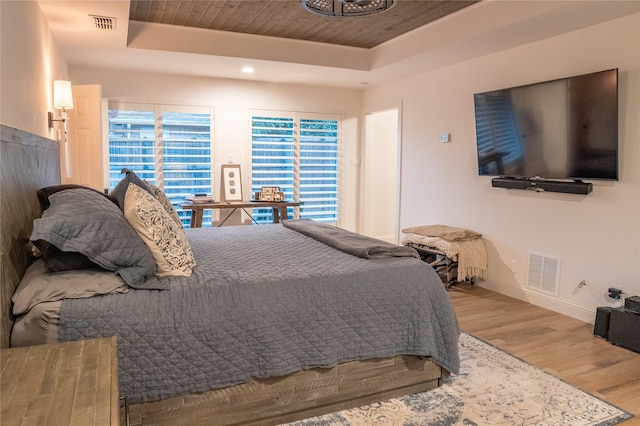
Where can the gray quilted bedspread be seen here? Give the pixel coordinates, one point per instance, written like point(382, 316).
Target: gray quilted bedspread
point(266, 301)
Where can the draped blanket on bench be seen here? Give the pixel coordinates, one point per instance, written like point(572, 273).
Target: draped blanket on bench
point(459, 244)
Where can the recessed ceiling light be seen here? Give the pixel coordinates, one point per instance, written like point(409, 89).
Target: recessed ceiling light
point(247, 70)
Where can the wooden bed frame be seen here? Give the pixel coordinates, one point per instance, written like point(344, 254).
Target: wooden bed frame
point(30, 162)
point(297, 396)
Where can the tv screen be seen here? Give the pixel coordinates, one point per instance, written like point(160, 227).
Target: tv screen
point(560, 129)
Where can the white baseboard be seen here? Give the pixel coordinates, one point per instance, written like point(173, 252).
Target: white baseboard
point(563, 307)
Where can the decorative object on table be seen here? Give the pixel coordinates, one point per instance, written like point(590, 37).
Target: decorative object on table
point(231, 187)
point(269, 193)
point(492, 388)
point(199, 198)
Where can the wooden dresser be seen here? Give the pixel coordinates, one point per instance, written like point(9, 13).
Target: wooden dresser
point(71, 383)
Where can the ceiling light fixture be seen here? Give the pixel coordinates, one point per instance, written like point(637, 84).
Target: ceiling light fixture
point(341, 8)
point(247, 69)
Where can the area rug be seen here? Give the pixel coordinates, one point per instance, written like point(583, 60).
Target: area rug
point(493, 388)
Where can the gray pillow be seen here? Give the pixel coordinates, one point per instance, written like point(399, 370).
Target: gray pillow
point(44, 193)
point(86, 222)
point(57, 260)
point(120, 189)
point(39, 286)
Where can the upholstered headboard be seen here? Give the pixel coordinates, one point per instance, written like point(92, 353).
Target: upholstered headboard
point(27, 163)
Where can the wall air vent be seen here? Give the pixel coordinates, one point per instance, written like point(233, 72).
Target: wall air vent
point(544, 273)
point(103, 22)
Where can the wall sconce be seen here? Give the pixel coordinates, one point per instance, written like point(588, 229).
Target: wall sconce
point(62, 99)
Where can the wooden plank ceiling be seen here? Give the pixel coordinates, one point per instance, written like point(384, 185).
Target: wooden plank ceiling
point(289, 19)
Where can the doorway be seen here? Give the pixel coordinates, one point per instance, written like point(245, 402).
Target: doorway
point(381, 185)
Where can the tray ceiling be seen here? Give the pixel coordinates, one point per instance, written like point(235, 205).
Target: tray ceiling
point(284, 43)
point(289, 19)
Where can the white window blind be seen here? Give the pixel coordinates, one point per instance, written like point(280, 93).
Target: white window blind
point(318, 170)
point(300, 154)
point(169, 146)
point(131, 144)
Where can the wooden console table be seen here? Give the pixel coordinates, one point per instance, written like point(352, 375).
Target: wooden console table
point(70, 383)
point(279, 209)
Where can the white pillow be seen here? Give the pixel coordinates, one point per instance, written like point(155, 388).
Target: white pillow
point(164, 237)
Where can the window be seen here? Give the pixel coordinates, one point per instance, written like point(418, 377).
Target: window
point(299, 153)
point(169, 146)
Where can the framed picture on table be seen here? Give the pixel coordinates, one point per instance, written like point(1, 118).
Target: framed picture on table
point(231, 189)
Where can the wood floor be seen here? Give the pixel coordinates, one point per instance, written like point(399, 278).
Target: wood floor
point(563, 346)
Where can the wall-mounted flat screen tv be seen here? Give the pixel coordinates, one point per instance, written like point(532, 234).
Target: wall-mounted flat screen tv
point(560, 129)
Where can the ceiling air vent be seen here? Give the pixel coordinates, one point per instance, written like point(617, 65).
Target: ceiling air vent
point(103, 22)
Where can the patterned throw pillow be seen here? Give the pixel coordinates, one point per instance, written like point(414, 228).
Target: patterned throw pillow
point(166, 203)
point(165, 239)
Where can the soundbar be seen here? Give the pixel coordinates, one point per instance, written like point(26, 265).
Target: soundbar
point(541, 185)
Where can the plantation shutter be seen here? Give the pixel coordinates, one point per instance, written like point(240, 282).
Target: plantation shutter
point(186, 154)
point(318, 175)
point(169, 146)
point(298, 153)
point(272, 157)
point(132, 143)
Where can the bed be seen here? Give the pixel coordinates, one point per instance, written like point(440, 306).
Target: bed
point(248, 324)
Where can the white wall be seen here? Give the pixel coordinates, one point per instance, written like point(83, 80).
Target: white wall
point(30, 62)
point(232, 100)
point(597, 236)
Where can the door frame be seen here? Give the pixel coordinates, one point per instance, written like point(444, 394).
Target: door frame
point(369, 110)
